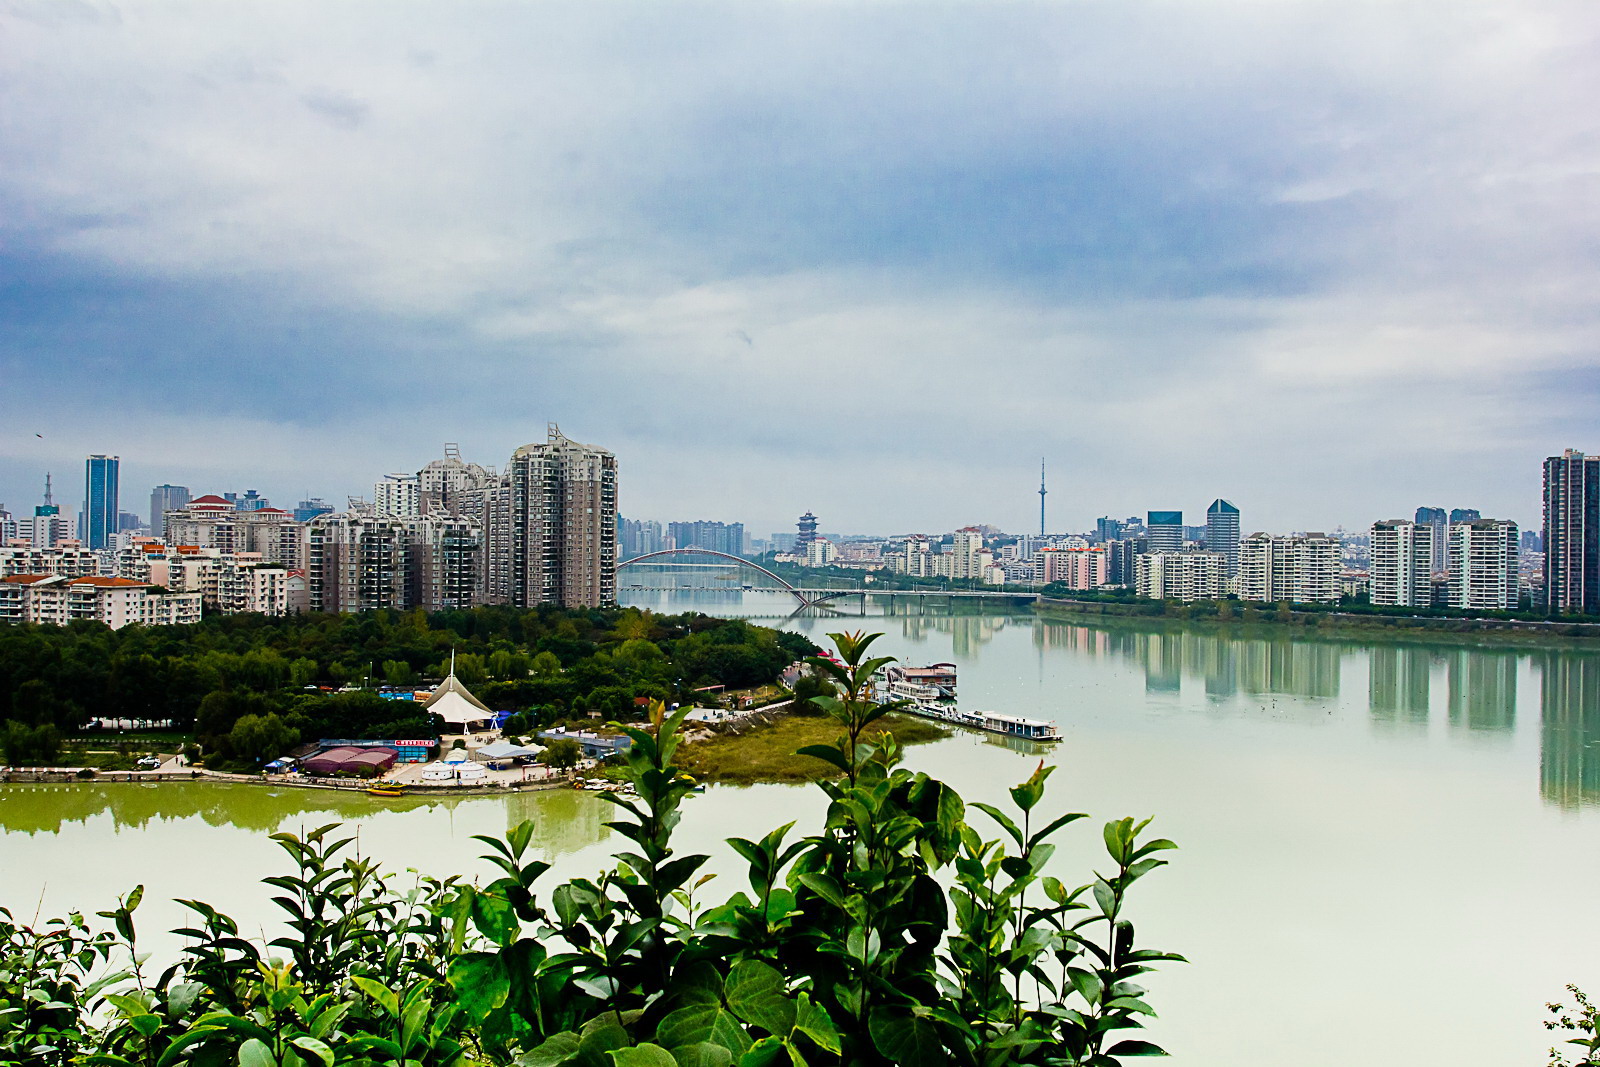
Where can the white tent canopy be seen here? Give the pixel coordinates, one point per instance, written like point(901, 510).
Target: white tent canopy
point(505, 751)
point(455, 704)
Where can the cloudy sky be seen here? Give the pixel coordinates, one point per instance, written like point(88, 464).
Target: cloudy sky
point(1329, 260)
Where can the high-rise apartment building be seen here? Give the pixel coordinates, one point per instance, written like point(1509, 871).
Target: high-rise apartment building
point(399, 495)
point(443, 484)
point(1572, 532)
point(915, 557)
point(716, 536)
point(1164, 529)
point(100, 501)
point(1402, 563)
point(1439, 520)
point(165, 498)
point(1465, 515)
point(490, 505)
point(1120, 557)
point(1222, 533)
point(1185, 576)
point(564, 524)
point(358, 562)
point(966, 558)
point(1298, 569)
point(1484, 565)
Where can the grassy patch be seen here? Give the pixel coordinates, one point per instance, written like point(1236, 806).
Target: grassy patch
point(767, 753)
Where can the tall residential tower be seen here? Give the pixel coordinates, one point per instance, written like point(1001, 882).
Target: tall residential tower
point(563, 524)
point(1572, 532)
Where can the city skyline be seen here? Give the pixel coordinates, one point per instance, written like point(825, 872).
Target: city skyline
point(372, 492)
point(1193, 250)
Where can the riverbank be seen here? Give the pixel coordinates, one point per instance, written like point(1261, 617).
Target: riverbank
point(75, 776)
point(1269, 621)
point(769, 754)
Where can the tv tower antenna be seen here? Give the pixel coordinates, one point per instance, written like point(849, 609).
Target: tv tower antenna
point(1042, 492)
point(47, 500)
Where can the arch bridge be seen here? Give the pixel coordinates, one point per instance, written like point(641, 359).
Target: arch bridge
point(808, 597)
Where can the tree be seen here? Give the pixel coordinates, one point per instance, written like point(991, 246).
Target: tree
point(302, 672)
point(258, 738)
point(562, 753)
point(220, 710)
point(546, 665)
point(26, 745)
point(398, 673)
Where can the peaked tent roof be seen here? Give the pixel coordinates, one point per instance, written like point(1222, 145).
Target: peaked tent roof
point(454, 703)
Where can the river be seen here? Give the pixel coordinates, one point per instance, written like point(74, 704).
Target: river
point(1388, 849)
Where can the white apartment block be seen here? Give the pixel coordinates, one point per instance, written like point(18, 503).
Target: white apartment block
point(1401, 569)
point(967, 557)
point(228, 583)
point(1079, 568)
point(915, 558)
point(821, 552)
point(116, 602)
point(1185, 576)
point(1298, 569)
point(1484, 565)
point(398, 494)
point(46, 531)
point(69, 558)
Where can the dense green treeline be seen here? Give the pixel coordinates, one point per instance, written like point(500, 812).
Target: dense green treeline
point(243, 683)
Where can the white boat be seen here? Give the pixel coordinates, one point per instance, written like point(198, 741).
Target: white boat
point(993, 721)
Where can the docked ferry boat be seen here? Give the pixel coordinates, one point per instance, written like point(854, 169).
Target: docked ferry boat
point(929, 700)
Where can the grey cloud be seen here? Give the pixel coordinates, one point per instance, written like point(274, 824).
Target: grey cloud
point(1170, 245)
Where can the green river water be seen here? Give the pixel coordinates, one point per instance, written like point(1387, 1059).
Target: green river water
point(1390, 850)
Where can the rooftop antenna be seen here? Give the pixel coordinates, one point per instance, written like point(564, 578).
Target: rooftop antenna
point(1042, 492)
point(47, 500)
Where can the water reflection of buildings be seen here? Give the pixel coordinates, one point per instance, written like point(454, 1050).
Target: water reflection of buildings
point(1227, 666)
point(1482, 689)
point(1569, 713)
point(1397, 684)
point(968, 633)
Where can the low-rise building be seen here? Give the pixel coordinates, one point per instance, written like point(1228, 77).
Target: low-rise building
point(68, 558)
point(1077, 568)
point(56, 599)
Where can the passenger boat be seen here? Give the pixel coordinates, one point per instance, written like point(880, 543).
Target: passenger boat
point(993, 721)
point(940, 677)
point(387, 789)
